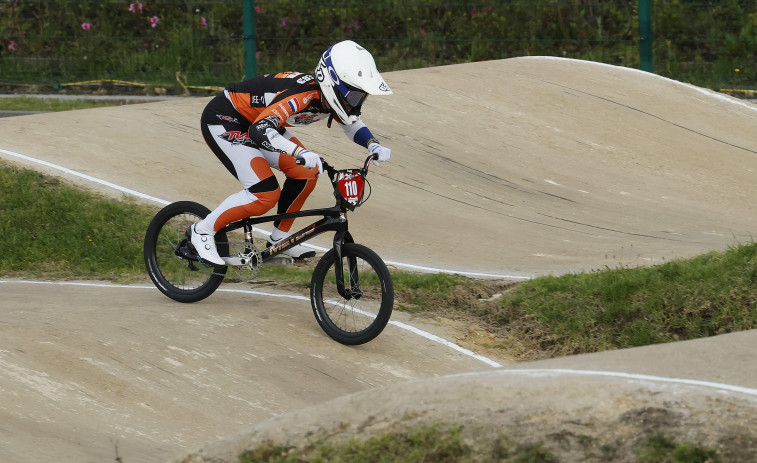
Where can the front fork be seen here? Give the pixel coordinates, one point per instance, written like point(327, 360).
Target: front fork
point(353, 291)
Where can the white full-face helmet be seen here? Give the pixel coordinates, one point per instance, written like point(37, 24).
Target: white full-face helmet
point(347, 74)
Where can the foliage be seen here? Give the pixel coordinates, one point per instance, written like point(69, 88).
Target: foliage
point(417, 446)
point(50, 229)
point(201, 42)
point(662, 449)
point(711, 294)
point(27, 103)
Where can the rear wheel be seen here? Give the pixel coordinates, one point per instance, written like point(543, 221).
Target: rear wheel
point(171, 261)
point(360, 312)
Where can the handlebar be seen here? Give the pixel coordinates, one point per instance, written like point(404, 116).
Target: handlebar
point(331, 171)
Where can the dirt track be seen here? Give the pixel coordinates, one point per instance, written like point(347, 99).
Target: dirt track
point(519, 167)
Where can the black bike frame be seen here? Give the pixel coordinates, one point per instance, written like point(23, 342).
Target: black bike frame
point(334, 219)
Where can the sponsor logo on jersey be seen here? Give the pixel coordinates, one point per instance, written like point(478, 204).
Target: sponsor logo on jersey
point(257, 100)
point(294, 105)
point(228, 118)
point(308, 97)
point(305, 79)
point(303, 119)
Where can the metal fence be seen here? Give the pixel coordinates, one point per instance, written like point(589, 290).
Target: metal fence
point(189, 45)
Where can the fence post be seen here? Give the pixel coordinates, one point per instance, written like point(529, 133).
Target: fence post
point(645, 35)
point(250, 52)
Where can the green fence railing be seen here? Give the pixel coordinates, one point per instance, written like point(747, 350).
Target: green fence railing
point(184, 45)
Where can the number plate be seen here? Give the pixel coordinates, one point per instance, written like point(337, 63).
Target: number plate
point(351, 185)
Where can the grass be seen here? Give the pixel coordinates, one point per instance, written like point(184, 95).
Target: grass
point(54, 230)
point(431, 444)
point(711, 294)
point(421, 445)
point(663, 449)
point(439, 444)
point(27, 103)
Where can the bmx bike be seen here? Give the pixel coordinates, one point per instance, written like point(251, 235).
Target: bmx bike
point(351, 289)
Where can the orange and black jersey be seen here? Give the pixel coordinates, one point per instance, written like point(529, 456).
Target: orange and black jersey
point(276, 101)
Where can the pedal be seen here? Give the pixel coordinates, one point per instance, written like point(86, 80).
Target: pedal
point(281, 260)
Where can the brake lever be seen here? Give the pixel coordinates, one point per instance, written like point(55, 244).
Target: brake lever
point(367, 163)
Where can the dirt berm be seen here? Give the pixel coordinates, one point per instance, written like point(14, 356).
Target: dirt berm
point(578, 417)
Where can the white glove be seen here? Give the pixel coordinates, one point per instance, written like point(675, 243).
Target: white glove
point(382, 153)
point(311, 159)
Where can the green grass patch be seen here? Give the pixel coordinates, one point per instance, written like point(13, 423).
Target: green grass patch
point(421, 445)
point(711, 294)
point(27, 103)
point(54, 230)
point(446, 444)
point(663, 449)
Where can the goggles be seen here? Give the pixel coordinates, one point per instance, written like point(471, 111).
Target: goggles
point(354, 98)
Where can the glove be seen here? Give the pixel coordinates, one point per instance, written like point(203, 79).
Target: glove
point(311, 159)
point(382, 153)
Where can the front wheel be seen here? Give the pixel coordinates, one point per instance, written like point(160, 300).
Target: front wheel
point(359, 312)
point(171, 262)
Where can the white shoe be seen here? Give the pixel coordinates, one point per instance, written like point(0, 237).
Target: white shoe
point(206, 247)
point(298, 252)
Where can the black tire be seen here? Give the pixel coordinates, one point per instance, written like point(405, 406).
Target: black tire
point(354, 320)
point(177, 277)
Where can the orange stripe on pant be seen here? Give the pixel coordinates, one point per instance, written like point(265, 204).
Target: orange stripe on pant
point(288, 165)
point(263, 204)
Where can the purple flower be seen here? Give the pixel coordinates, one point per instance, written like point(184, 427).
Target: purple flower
point(154, 21)
point(86, 26)
point(284, 22)
point(203, 21)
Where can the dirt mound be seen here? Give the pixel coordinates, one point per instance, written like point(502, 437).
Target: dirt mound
point(579, 418)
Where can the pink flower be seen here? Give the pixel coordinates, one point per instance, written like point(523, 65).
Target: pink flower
point(86, 26)
point(133, 7)
point(154, 21)
point(473, 12)
point(12, 45)
point(258, 9)
point(284, 22)
point(423, 31)
point(203, 21)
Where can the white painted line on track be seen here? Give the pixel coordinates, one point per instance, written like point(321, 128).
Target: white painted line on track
point(705, 91)
point(164, 202)
point(412, 329)
point(86, 177)
point(618, 374)
point(444, 342)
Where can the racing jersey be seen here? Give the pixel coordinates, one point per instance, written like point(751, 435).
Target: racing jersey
point(272, 102)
